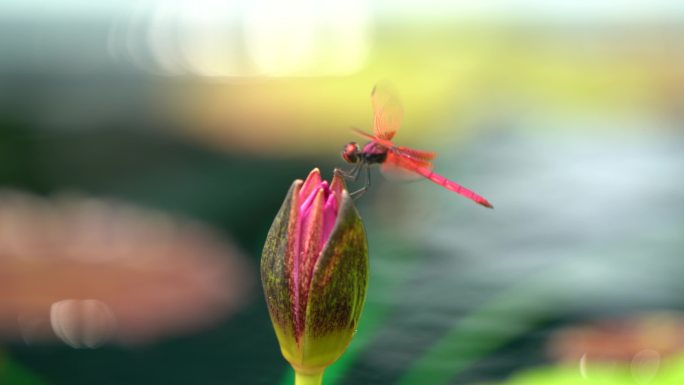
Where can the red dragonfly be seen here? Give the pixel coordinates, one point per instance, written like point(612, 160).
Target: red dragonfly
point(388, 113)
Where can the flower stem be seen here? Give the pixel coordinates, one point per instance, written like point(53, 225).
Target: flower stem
point(308, 379)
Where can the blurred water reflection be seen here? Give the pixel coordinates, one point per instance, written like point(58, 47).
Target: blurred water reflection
point(630, 338)
point(86, 323)
point(88, 270)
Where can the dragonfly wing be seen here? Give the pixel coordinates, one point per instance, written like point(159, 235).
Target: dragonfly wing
point(363, 133)
point(400, 150)
point(387, 111)
point(400, 167)
point(417, 154)
point(383, 142)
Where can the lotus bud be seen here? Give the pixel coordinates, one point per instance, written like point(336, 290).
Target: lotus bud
point(314, 269)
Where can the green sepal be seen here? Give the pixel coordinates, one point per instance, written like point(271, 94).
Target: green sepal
point(276, 269)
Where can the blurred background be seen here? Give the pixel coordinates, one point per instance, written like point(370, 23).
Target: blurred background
point(145, 147)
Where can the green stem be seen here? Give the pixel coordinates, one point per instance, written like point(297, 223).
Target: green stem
point(308, 379)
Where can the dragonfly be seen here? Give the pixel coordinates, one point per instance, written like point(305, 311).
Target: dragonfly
point(380, 150)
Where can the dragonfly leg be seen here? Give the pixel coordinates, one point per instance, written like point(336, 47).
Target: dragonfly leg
point(353, 174)
point(358, 193)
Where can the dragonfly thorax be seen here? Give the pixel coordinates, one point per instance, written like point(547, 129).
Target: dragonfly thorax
point(373, 153)
point(370, 154)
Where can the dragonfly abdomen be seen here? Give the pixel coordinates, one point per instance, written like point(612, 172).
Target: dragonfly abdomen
point(452, 186)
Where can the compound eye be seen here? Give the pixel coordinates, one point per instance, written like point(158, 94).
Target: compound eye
point(350, 153)
point(351, 148)
point(349, 157)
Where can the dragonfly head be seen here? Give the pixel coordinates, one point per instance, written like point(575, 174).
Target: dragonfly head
point(351, 153)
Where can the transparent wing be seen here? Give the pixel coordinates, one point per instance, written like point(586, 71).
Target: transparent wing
point(417, 154)
point(402, 167)
point(387, 111)
point(383, 142)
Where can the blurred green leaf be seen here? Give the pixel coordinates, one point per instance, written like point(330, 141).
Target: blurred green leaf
point(671, 373)
point(12, 373)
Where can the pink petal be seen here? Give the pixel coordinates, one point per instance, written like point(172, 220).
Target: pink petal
point(329, 217)
point(311, 234)
point(307, 202)
point(336, 187)
point(310, 184)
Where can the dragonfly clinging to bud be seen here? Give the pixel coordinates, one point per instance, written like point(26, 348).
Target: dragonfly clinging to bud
point(380, 150)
